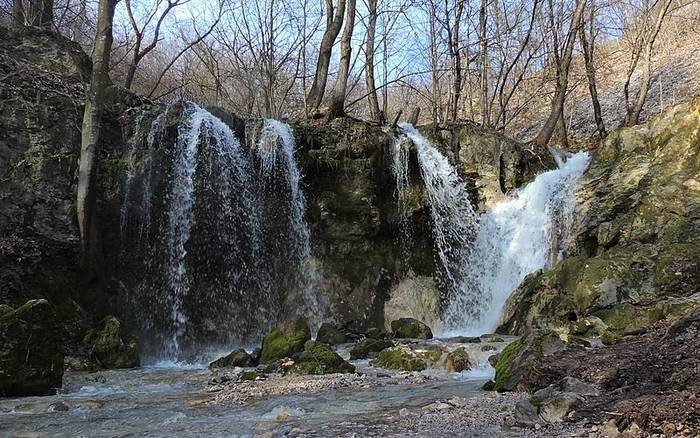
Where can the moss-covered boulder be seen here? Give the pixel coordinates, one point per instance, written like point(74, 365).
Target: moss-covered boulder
point(369, 348)
point(516, 367)
point(331, 334)
point(31, 350)
point(457, 361)
point(318, 358)
point(285, 340)
point(411, 328)
point(237, 358)
point(403, 358)
point(110, 346)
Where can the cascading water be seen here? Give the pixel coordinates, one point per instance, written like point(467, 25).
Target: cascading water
point(217, 246)
point(514, 239)
point(486, 258)
point(452, 213)
point(275, 150)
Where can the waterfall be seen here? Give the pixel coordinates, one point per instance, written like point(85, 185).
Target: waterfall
point(217, 248)
point(400, 170)
point(452, 213)
point(514, 239)
point(485, 258)
point(275, 149)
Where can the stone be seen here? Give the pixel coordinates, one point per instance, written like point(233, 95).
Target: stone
point(403, 358)
point(319, 358)
point(368, 348)
point(31, 350)
point(110, 346)
point(556, 408)
point(237, 358)
point(331, 334)
point(457, 361)
point(517, 363)
point(411, 328)
point(285, 340)
point(573, 385)
point(58, 407)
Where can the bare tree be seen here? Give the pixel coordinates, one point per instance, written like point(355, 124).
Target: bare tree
point(652, 21)
point(333, 24)
point(587, 38)
point(138, 50)
point(337, 103)
point(561, 83)
point(374, 111)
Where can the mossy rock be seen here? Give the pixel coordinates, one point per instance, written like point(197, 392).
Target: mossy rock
point(457, 361)
point(31, 350)
point(331, 334)
point(369, 348)
point(404, 359)
point(237, 358)
point(285, 340)
point(110, 346)
point(320, 359)
point(518, 363)
point(411, 328)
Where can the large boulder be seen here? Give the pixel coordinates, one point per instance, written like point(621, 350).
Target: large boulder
point(403, 358)
point(318, 358)
point(635, 239)
point(285, 340)
point(331, 334)
point(237, 358)
point(110, 346)
point(31, 350)
point(457, 361)
point(517, 365)
point(369, 348)
point(411, 328)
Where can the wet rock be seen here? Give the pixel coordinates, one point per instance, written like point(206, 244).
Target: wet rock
point(31, 350)
point(237, 358)
point(404, 359)
point(320, 359)
point(573, 385)
point(517, 363)
point(285, 340)
point(58, 407)
point(411, 328)
point(368, 348)
point(547, 406)
point(331, 334)
point(488, 348)
point(110, 346)
point(457, 361)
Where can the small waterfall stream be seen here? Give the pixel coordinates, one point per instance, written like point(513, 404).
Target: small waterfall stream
point(485, 258)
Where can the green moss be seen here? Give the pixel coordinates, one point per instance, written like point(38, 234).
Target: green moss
point(320, 359)
point(110, 346)
point(400, 358)
point(285, 340)
point(237, 358)
point(411, 328)
point(503, 371)
point(457, 361)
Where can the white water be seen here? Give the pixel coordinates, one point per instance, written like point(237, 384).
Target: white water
point(486, 258)
point(514, 239)
point(453, 217)
point(276, 144)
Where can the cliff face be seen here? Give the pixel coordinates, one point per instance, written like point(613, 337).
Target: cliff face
point(369, 272)
point(636, 235)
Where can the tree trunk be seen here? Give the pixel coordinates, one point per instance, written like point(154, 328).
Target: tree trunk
point(483, 56)
point(369, 64)
point(87, 218)
point(588, 47)
point(333, 25)
point(337, 104)
point(562, 85)
point(456, 61)
point(635, 110)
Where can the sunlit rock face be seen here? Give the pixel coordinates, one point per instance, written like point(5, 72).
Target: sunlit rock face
point(636, 232)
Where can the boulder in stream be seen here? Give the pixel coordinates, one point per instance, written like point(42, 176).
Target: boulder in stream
point(331, 334)
point(403, 358)
point(369, 348)
point(110, 346)
point(457, 361)
point(285, 340)
point(237, 358)
point(411, 328)
point(318, 358)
